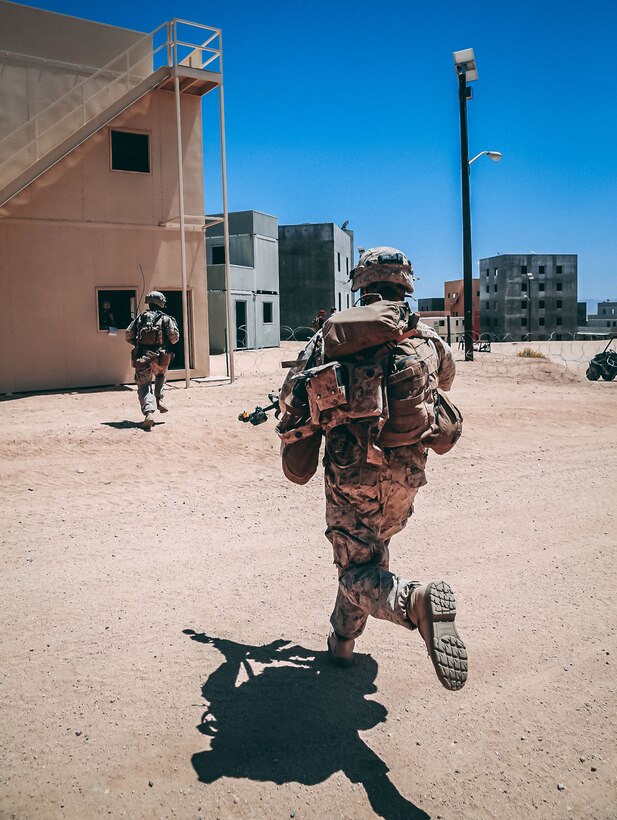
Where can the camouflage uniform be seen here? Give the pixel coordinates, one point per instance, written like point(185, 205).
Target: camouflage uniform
point(365, 506)
point(152, 362)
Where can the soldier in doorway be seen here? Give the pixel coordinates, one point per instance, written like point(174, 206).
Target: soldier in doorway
point(151, 333)
point(378, 413)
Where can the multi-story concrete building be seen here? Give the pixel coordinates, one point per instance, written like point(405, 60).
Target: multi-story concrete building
point(91, 198)
point(529, 296)
point(430, 305)
point(604, 322)
point(254, 281)
point(454, 302)
point(450, 328)
point(314, 265)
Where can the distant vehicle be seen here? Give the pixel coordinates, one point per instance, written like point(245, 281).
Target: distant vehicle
point(603, 364)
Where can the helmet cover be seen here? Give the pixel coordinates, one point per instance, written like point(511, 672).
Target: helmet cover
point(155, 297)
point(383, 264)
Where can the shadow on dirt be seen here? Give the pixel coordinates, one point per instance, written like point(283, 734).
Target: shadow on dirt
point(283, 713)
point(128, 425)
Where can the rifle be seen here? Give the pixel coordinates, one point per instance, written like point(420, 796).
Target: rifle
point(259, 414)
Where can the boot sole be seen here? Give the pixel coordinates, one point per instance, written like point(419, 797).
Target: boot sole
point(148, 424)
point(163, 409)
point(446, 648)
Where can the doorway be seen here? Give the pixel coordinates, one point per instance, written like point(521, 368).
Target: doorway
point(174, 308)
point(241, 329)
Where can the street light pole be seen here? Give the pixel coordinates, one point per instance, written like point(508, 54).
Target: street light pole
point(467, 264)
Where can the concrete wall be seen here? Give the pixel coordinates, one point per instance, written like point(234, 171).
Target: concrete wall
point(309, 277)
point(43, 55)
point(82, 226)
point(254, 279)
point(505, 288)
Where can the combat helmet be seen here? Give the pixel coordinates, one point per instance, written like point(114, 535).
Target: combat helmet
point(155, 297)
point(382, 264)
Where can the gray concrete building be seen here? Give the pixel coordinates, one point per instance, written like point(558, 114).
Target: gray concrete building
point(604, 322)
point(314, 261)
point(431, 304)
point(253, 280)
point(529, 296)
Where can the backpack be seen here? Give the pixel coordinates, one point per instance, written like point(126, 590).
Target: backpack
point(150, 329)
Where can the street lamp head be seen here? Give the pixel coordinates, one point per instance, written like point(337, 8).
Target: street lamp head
point(495, 155)
point(464, 61)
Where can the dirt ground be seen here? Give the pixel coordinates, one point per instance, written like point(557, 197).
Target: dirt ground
point(165, 600)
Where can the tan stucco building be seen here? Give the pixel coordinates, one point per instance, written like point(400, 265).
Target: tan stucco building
point(90, 195)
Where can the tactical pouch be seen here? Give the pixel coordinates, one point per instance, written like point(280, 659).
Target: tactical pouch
point(300, 458)
point(447, 427)
point(325, 389)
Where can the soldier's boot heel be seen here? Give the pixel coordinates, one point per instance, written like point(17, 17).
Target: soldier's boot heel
point(432, 608)
point(340, 650)
point(162, 408)
point(148, 422)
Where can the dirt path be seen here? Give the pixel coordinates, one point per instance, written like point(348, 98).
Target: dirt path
point(165, 600)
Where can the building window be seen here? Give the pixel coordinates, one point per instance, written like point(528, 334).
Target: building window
point(524, 270)
point(267, 307)
point(541, 304)
point(559, 304)
point(558, 320)
point(116, 308)
point(495, 305)
point(218, 255)
point(347, 265)
point(347, 300)
point(559, 269)
point(496, 271)
point(339, 302)
point(523, 322)
point(338, 260)
point(488, 270)
point(524, 304)
point(541, 320)
point(130, 152)
point(441, 323)
point(541, 286)
point(478, 295)
point(524, 287)
point(488, 288)
point(495, 288)
point(540, 268)
point(559, 286)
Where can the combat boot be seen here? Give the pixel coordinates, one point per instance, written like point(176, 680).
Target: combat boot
point(340, 650)
point(149, 422)
point(432, 608)
point(162, 408)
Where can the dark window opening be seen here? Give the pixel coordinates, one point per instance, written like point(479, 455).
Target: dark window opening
point(339, 302)
point(541, 303)
point(267, 308)
point(495, 288)
point(116, 308)
point(559, 303)
point(338, 260)
point(241, 329)
point(558, 320)
point(524, 270)
point(524, 287)
point(541, 286)
point(488, 288)
point(541, 320)
point(347, 265)
point(559, 269)
point(524, 304)
point(559, 286)
point(540, 268)
point(130, 152)
point(523, 322)
point(218, 255)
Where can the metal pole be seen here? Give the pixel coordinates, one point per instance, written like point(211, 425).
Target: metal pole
point(185, 301)
point(225, 221)
point(467, 272)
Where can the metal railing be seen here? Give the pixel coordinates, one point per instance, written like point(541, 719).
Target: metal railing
point(92, 96)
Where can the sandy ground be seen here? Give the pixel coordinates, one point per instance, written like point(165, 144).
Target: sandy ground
point(165, 600)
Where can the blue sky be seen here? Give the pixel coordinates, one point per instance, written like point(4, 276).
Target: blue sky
point(349, 111)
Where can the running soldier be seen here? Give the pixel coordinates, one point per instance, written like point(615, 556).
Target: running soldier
point(151, 333)
point(368, 383)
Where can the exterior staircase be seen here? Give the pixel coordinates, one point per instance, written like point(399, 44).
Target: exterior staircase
point(189, 51)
